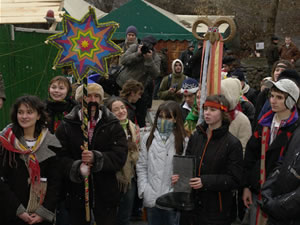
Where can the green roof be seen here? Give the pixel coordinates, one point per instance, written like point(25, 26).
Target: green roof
point(148, 21)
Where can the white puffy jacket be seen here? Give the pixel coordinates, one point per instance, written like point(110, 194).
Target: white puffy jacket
point(155, 168)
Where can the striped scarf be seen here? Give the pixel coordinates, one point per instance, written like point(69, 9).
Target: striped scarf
point(10, 142)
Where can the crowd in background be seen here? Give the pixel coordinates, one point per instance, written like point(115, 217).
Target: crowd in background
point(244, 149)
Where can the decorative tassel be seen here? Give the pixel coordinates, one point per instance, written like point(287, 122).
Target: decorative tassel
point(34, 169)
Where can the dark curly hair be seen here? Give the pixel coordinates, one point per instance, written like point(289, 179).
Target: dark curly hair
point(131, 86)
point(36, 104)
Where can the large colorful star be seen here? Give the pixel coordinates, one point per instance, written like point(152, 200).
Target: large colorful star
point(85, 45)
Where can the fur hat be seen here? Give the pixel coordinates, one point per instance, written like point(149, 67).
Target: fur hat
point(189, 86)
point(92, 88)
point(228, 60)
point(131, 29)
point(238, 74)
point(289, 87)
point(290, 74)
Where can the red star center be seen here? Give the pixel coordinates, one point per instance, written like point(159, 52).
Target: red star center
point(85, 44)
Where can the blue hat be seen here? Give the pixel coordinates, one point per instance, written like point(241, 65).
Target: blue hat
point(131, 29)
point(189, 86)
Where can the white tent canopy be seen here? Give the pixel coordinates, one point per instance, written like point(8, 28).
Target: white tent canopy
point(29, 11)
point(78, 8)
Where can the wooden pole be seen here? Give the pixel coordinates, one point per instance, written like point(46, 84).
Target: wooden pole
point(84, 128)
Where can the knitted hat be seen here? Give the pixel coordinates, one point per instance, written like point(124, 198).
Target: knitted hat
point(131, 29)
point(92, 88)
point(189, 86)
point(289, 87)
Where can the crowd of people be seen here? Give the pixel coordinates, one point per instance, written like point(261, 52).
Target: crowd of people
point(245, 151)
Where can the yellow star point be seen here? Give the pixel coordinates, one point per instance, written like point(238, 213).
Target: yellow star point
point(85, 44)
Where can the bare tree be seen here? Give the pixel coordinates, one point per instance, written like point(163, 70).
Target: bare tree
point(104, 5)
point(271, 19)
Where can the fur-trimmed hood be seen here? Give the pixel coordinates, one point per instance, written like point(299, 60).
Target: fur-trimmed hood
point(173, 65)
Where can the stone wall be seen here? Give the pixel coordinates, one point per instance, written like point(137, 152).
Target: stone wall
point(256, 69)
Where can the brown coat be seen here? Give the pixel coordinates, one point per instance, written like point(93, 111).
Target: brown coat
point(292, 52)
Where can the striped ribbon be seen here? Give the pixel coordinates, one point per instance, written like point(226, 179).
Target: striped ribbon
point(261, 217)
point(203, 78)
point(84, 128)
point(210, 75)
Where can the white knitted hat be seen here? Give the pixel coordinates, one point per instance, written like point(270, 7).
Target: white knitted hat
point(92, 88)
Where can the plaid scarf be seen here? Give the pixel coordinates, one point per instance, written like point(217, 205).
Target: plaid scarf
point(10, 142)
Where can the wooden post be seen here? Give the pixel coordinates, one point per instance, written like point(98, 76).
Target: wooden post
point(84, 128)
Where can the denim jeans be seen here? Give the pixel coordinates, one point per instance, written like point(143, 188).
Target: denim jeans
point(126, 204)
point(158, 216)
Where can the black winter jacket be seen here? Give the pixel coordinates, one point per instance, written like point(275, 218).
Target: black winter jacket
point(249, 110)
point(251, 95)
point(14, 187)
point(57, 110)
point(275, 152)
point(221, 172)
point(108, 141)
point(195, 64)
point(281, 192)
point(131, 111)
point(262, 97)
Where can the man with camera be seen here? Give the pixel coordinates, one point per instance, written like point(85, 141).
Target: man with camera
point(141, 63)
point(170, 87)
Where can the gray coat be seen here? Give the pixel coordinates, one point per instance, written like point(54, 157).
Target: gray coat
point(136, 67)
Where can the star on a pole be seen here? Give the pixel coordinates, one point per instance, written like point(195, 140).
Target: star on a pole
point(85, 45)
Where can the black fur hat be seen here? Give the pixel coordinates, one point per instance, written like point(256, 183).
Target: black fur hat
point(228, 60)
point(290, 74)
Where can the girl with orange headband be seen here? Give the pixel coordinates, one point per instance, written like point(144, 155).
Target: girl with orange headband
point(218, 165)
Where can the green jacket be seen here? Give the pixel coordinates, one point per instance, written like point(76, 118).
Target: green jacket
point(176, 81)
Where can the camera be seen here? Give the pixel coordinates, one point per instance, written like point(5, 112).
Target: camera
point(175, 86)
point(146, 48)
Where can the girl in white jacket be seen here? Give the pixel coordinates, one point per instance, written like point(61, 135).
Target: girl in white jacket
point(154, 167)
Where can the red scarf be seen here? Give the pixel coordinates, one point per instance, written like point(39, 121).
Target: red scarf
point(233, 113)
point(12, 144)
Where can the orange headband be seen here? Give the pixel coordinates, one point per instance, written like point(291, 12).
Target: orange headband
point(216, 105)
